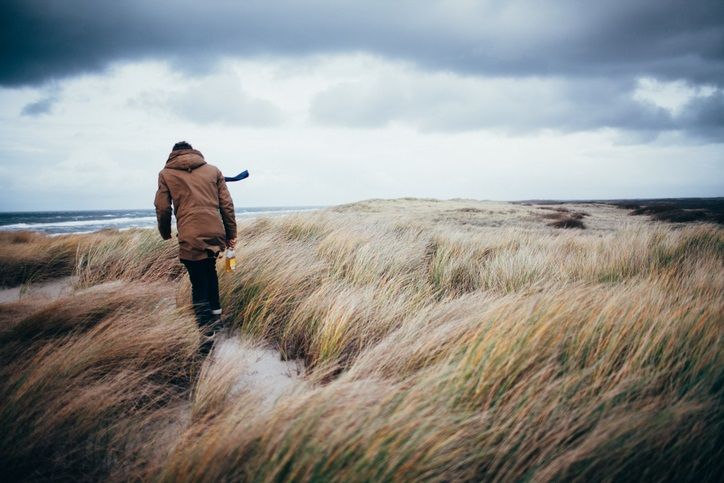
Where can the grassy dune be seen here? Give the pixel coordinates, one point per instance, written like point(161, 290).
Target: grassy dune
point(27, 257)
point(442, 341)
point(31, 257)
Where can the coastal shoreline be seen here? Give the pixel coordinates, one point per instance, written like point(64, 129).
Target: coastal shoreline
point(77, 222)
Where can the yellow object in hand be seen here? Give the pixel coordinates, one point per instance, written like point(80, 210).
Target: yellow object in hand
point(230, 260)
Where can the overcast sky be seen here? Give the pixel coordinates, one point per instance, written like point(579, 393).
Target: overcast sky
point(337, 101)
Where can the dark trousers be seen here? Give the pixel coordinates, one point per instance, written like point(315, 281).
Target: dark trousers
point(204, 288)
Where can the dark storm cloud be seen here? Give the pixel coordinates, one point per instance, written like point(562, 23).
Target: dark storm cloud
point(667, 39)
point(596, 49)
point(705, 117)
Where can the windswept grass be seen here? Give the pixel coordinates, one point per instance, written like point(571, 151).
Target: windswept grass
point(85, 378)
point(439, 346)
point(32, 257)
point(27, 257)
point(329, 296)
point(139, 255)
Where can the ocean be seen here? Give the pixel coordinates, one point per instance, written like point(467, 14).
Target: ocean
point(66, 222)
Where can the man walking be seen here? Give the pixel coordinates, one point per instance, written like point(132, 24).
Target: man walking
point(206, 225)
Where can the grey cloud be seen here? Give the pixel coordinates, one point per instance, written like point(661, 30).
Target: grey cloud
point(445, 103)
point(216, 99)
point(704, 116)
point(668, 39)
point(39, 107)
point(222, 100)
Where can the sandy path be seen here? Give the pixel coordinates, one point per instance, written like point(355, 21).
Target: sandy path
point(257, 370)
point(49, 290)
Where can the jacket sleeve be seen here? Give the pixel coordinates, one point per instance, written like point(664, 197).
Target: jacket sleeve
point(226, 207)
point(163, 208)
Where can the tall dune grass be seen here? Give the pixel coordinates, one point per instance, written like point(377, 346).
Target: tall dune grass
point(546, 355)
point(137, 255)
point(86, 377)
point(438, 347)
point(32, 257)
point(132, 255)
point(348, 283)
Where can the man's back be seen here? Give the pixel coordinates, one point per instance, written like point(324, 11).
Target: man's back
point(201, 203)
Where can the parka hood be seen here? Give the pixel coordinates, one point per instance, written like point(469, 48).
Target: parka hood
point(185, 159)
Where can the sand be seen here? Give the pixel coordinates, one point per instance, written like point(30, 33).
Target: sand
point(52, 289)
point(259, 370)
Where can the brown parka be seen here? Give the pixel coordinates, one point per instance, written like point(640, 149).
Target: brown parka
point(202, 205)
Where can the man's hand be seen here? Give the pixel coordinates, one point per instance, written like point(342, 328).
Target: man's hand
point(231, 243)
point(163, 205)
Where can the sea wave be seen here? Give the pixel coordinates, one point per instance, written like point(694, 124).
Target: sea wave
point(87, 223)
point(63, 224)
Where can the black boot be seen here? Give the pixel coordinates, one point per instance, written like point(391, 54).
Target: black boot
point(207, 344)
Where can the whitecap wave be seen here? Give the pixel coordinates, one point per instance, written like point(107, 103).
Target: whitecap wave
point(74, 223)
point(90, 223)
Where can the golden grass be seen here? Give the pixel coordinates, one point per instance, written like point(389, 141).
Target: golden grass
point(443, 341)
point(84, 376)
point(27, 257)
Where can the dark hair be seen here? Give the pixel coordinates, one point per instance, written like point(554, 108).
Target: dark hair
point(181, 145)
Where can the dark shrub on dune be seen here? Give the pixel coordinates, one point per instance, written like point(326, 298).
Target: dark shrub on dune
point(681, 210)
point(564, 218)
point(680, 216)
point(652, 209)
point(568, 222)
